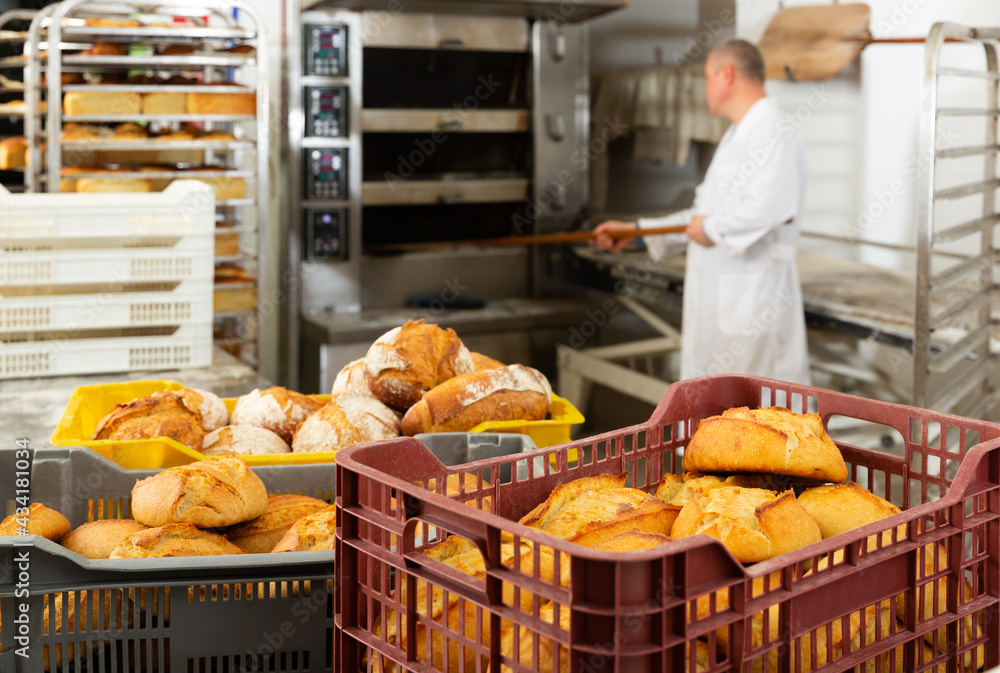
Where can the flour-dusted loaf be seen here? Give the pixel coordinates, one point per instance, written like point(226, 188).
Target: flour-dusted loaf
point(510, 393)
point(592, 510)
point(753, 523)
point(38, 520)
point(207, 406)
point(166, 415)
point(174, 539)
point(276, 409)
point(243, 440)
point(406, 362)
point(773, 440)
point(258, 536)
point(97, 539)
point(351, 380)
point(345, 421)
point(313, 532)
point(217, 491)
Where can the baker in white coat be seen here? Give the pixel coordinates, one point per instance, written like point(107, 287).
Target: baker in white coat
point(742, 297)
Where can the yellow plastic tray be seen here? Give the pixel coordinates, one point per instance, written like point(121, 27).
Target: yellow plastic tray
point(89, 404)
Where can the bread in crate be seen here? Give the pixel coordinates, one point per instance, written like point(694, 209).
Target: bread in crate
point(174, 539)
point(102, 103)
point(98, 539)
point(345, 421)
point(277, 409)
point(260, 535)
point(243, 440)
point(37, 520)
point(165, 415)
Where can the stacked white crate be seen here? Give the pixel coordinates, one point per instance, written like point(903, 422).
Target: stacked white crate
point(93, 283)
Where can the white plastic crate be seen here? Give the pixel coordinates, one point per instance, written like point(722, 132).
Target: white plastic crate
point(185, 303)
point(188, 346)
point(191, 258)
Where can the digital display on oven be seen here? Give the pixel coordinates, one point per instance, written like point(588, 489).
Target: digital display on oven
point(326, 234)
point(325, 112)
point(326, 174)
point(326, 54)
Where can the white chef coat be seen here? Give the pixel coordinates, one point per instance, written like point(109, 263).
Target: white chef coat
point(742, 297)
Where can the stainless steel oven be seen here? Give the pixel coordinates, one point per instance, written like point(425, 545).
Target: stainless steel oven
point(416, 122)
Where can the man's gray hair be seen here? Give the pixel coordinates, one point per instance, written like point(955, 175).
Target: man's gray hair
point(745, 57)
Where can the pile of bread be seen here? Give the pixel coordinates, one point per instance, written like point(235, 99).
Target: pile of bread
point(757, 454)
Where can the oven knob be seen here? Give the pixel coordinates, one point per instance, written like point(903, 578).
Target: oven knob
point(555, 124)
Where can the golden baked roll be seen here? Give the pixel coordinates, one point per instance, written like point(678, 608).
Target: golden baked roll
point(40, 520)
point(351, 380)
point(406, 362)
point(276, 409)
point(631, 541)
point(97, 539)
point(344, 422)
point(150, 417)
point(676, 489)
point(207, 406)
point(260, 535)
point(243, 440)
point(129, 130)
point(754, 524)
point(481, 363)
point(217, 491)
point(839, 508)
point(174, 539)
point(514, 393)
point(591, 510)
point(771, 440)
point(312, 532)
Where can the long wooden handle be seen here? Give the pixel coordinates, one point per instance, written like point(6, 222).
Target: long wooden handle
point(536, 239)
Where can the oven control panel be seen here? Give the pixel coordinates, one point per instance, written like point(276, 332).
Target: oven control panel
point(326, 111)
point(326, 174)
point(326, 233)
point(326, 50)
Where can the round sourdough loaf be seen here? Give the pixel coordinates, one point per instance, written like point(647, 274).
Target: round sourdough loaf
point(40, 520)
point(258, 536)
point(208, 406)
point(346, 421)
point(512, 393)
point(407, 361)
point(351, 380)
point(217, 491)
point(174, 539)
point(753, 523)
point(98, 539)
point(276, 409)
point(165, 415)
point(243, 440)
point(310, 533)
point(773, 440)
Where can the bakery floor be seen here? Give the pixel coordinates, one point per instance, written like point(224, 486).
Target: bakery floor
point(31, 408)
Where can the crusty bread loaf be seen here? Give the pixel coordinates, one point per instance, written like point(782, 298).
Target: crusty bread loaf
point(243, 440)
point(351, 380)
point(276, 409)
point(676, 489)
point(149, 417)
point(217, 491)
point(754, 524)
point(40, 520)
point(771, 440)
point(174, 539)
point(97, 539)
point(260, 535)
point(113, 185)
point(839, 508)
point(310, 533)
point(590, 510)
point(12, 152)
point(461, 403)
point(222, 103)
point(102, 102)
point(105, 49)
point(406, 362)
point(481, 363)
point(631, 541)
point(207, 406)
point(346, 421)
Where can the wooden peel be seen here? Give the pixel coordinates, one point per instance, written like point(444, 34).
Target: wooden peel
point(814, 43)
point(536, 239)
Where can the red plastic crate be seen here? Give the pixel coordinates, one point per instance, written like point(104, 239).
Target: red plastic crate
point(636, 612)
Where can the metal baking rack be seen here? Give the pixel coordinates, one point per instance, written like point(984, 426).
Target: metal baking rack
point(245, 158)
point(12, 119)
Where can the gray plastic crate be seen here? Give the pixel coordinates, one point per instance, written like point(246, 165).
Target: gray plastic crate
point(270, 612)
point(457, 448)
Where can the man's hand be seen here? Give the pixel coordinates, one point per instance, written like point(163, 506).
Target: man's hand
point(605, 242)
point(696, 232)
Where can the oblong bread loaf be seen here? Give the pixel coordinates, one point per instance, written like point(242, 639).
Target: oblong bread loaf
point(838, 508)
point(508, 393)
point(174, 539)
point(215, 492)
point(754, 524)
point(773, 440)
point(97, 539)
point(310, 533)
point(258, 536)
